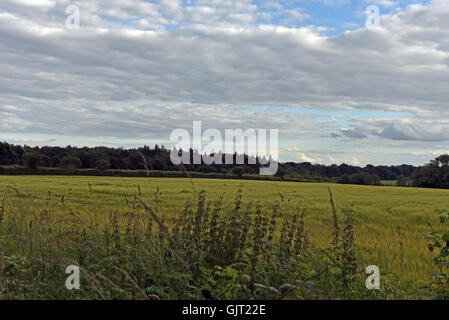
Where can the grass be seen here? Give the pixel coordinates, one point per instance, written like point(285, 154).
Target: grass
point(389, 222)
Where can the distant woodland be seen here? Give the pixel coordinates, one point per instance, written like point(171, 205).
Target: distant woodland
point(434, 174)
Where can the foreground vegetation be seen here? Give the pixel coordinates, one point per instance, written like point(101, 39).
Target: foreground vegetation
point(168, 239)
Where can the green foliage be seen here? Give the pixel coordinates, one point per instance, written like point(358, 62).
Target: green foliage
point(54, 221)
point(157, 158)
point(362, 178)
point(238, 170)
point(102, 165)
point(439, 246)
point(70, 163)
point(433, 175)
point(225, 171)
point(206, 251)
point(402, 181)
point(32, 160)
point(225, 174)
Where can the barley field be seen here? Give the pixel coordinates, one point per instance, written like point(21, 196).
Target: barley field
point(389, 222)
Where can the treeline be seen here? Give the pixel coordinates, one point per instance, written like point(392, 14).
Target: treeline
point(104, 158)
point(435, 174)
point(157, 158)
point(345, 173)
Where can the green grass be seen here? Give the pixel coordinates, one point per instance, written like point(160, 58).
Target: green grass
point(390, 222)
point(379, 211)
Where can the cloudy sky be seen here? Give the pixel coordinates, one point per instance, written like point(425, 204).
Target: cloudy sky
point(137, 69)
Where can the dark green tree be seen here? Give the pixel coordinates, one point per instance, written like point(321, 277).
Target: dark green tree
point(102, 165)
point(70, 163)
point(238, 170)
point(32, 160)
point(435, 174)
point(402, 181)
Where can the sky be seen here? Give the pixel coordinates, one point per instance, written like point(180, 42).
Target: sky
point(135, 70)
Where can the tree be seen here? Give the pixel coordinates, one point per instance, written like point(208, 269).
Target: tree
point(441, 161)
point(282, 172)
point(238, 170)
point(32, 160)
point(427, 177)
point(435, 174)
point(102, 165)
point(158, 158)
point(70, 163)
point(402, 181)
point(344, 179)
point(225, 171)
point(362, 178)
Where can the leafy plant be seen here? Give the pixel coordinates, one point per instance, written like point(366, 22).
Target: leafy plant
point(439, 245)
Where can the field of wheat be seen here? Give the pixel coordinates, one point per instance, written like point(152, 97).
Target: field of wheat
point(389, 222)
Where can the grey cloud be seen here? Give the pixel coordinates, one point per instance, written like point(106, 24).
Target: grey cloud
point(334, 135)
point(155, 15)
point(238, 66)
point(356, 134)
point(415, 132)
point(75, 83)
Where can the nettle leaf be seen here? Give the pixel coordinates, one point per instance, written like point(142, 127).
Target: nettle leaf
point(446, 237)
point(273, 289)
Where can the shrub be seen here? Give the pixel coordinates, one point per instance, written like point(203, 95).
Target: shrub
point(439, 245)
point(207, 251)
point(362, 178)
point(435, 174)
point(102, 165)
point(238, 171)
point(70, 163)
point(402, 181)
point(32, 160)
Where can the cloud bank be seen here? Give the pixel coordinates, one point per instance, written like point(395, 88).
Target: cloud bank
point(139, 69)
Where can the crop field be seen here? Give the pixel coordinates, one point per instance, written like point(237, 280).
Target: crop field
point(389, 222)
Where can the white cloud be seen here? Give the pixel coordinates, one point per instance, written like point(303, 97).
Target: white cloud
point(221, 58)
point(383, 3)
point(299, 155)
point(33, 3)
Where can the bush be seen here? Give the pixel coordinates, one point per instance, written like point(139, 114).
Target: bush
point(102, 165)
point(435, 174)
point(243, 252)
point(70, 163)
point(402, 181)
point(362, 178)
point(238, 171)
point(225, 171)
point(32, 160)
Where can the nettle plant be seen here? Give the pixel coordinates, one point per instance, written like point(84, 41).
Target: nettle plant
point(439, 244)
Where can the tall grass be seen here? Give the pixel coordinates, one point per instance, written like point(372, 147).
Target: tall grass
point(208, 251)
point(134, 240)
